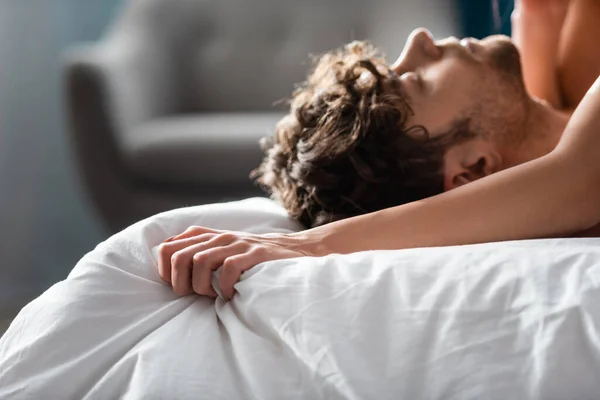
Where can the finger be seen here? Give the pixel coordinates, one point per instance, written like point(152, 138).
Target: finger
point(181, 261)
point(167, 249)
point(195, 231)
point(234, 266)
point(207, 261)
point(181, 279)
point(181, 268)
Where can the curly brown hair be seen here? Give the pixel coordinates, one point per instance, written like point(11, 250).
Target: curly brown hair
point(344, 148)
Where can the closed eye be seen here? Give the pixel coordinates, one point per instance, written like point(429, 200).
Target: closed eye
point(421, 81)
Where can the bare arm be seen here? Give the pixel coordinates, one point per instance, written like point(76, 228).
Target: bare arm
point(554, 195)
point(579, 54)
point(557, 194)
point(537, 26)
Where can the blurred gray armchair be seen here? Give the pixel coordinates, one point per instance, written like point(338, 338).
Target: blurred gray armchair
point(168, 108)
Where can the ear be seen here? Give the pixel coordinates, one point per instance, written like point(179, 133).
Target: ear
point(469, 161)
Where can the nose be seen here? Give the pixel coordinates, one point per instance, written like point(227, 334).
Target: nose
point(420, 48)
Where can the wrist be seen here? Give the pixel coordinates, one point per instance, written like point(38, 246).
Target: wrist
point(312, 243)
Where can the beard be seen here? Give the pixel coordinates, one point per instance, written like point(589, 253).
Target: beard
point(504, 57)
point(506, 97)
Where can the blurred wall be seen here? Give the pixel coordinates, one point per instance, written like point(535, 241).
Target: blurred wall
point(46, 223)
point(481, 18)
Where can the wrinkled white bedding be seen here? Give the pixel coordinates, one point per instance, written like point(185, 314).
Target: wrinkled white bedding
point(510, 320)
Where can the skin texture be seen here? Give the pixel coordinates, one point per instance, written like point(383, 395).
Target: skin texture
point(525, 180)
point(480, 80)
point(444, 80)
point(537, 30)
point(579, 64)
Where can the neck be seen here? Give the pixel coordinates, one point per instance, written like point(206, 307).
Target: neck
point(541, 133)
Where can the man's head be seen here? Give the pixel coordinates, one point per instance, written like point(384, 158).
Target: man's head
point(470, 85)
point(361, 135)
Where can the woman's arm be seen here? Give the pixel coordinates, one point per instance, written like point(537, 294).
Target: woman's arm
point(557, 194)
point(579, 53)
point(536, 29)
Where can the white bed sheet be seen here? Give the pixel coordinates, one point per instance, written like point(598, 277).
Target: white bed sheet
point(514, 320)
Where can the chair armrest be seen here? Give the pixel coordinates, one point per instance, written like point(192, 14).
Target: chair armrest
point(132, 73)
point(109, 88)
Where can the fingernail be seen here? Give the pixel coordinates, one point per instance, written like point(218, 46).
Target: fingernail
point(171, 238)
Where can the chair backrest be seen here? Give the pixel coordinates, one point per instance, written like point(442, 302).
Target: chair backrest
point(244, 55)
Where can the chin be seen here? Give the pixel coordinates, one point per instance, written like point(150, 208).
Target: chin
point(504, 55)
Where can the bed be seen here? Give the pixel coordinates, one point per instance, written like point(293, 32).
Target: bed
point(511, 320)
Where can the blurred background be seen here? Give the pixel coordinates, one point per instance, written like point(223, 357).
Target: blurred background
point(113, 110)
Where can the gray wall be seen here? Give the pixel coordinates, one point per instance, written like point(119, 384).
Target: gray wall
point(46, 223)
